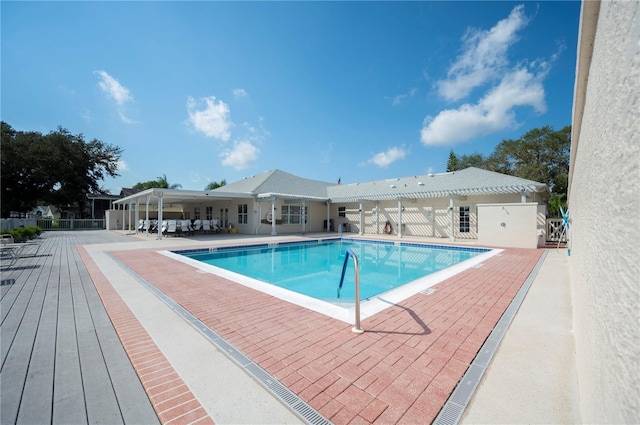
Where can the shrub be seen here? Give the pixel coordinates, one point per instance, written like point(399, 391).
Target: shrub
point(24, 233)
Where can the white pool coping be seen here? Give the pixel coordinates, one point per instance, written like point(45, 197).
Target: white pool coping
point(368, 307)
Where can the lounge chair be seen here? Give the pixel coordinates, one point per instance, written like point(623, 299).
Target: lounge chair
point(197, 225)
point(214, 225)
point(172, 226)
point(185, 226)
point(10, 251)
point(206, 226)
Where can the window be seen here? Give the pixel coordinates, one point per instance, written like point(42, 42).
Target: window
point(242, 214)
point(196, 213)
point(292, 214)
point(187, 215)
point(209, 213)
point(342, 211)
point(464, 220)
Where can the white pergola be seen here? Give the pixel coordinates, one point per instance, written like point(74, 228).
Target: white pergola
point(170, 196)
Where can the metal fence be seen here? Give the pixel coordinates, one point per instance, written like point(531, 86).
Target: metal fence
point(54, 224)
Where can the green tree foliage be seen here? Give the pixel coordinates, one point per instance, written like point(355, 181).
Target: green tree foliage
point(160, 183)
point(215, 185)
point(59, 168)
point(541, 154)
point(452, 163)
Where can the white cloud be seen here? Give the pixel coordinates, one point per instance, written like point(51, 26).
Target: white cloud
point(242, 156)
point(122, 166)
point(116, 91)
point(212, 119)
point(399, 98)
point(384, 159)
point(237, 93)
point(484, 56)
point(492, 113)
point(113, 88)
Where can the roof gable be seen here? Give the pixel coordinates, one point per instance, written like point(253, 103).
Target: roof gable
point(278, 183)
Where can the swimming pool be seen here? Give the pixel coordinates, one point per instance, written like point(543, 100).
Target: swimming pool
point(308, 273)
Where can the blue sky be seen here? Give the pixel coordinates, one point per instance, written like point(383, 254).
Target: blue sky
point(205, 91)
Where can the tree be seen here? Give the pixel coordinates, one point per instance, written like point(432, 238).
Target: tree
point(59, 168)
point(541, 154)
point(452, 163)
point(215, 185)
point(160, 182)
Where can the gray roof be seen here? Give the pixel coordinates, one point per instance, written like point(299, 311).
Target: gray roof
point(470, 181)
point(279, 184)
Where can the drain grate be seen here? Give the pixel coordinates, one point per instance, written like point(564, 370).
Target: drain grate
point(305, 412)
point(428, 291)
point(452, 411)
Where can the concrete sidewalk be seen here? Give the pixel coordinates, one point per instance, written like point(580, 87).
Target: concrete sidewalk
point(224, 390)
point(531, 378)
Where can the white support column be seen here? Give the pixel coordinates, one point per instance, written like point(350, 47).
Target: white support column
point(361, 232)
point(123, 215)
point(137, 214)
point(273, 218)
point(160, 208)
point(147, 219)
point(451, 219)
point(377, 211)
point(129, 225)
point(399, 217)
point(523, 196)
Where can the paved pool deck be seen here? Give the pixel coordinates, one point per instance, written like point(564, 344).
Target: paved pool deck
point(403, 369)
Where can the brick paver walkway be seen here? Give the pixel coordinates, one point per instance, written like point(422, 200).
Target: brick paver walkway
point(401, 370)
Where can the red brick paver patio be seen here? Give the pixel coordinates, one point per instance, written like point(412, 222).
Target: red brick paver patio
point(401, 370)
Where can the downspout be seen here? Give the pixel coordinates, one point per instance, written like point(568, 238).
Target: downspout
point(304, 222)
point(451, 221)
point(259, 216)
point(328, 216)
point(273, 218)
point(361, 220)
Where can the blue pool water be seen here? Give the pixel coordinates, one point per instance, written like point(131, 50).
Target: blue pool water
point(314, 269)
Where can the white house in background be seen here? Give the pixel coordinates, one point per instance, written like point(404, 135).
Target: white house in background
point(470, 204)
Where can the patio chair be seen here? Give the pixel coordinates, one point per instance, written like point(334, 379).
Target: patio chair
point(185, 226)
point(206, 226)
point(214, 225)
point(197, 225)
point(140, 225)
point(10, 251)
point(172, 227)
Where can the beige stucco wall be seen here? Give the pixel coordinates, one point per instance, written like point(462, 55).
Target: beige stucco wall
point(604, 209)
point(423, 217)
point(508, 225)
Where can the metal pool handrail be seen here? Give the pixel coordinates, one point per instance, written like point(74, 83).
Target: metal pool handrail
point(356, 265)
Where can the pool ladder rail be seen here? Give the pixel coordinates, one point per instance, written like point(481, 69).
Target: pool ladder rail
point(356, 265)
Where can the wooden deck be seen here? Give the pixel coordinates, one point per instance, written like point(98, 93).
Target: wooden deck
point(62, 361)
